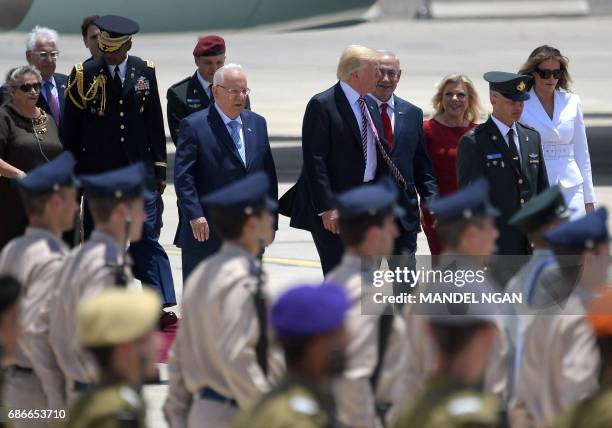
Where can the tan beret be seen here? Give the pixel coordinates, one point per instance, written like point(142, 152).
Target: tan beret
point(117, 316)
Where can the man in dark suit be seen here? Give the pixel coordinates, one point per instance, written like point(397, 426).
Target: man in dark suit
point(403, 129)
point(194, 93)
point(342, 147)
point(113, 118)
point(42, 53)
point(216, 147)
point(508, 154)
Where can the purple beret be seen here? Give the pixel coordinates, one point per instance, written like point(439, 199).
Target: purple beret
point(308, 310)
point(209, 46)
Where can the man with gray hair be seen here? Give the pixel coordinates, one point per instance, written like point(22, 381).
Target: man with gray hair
point(216, 147)
point(42, 53)
point(343, 147)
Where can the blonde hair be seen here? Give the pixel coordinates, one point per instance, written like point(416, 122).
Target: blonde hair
point(353, 58)
point(541, 54)
point(472, 113)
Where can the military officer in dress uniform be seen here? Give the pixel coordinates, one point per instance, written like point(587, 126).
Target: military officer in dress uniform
point(559, 361)
point(116, 201)
point(594, 412)
point(117, 328)
point(464, 335)
point(369, 389)
point(49, 197)
point(539, 215)
point(508, 154)
point(309, 324)
point(221, 361)
point(113, 118)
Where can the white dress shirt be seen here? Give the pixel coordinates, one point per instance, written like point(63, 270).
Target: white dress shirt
point(205, 84)
point(371, 163)
point(122, 70)
point(390, 109)
point(503, 128)
point(564, 141)
point(226, 120)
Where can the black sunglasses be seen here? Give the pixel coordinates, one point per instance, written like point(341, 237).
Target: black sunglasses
point(27, 87)
point(546, 74)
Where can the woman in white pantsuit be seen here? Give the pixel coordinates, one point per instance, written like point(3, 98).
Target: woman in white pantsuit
point(556, 114)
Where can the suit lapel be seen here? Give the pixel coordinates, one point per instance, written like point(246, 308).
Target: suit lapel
point(249, 138)
point(525, 146)
point(194, 88)
point(498, 142)
point(132, 72)
point(398, 122)
point(61, 89)
point(346, 112)
point(220, 130)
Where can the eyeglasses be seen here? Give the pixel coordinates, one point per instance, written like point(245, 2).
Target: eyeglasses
point(236, 92)
point(391, 73)
point(27, 87)
point(547, 74)
point(45, 55)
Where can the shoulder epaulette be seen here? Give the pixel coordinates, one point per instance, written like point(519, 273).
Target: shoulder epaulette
point(150, 63)
point(185, 80)
point(479, 128)
point(526, 126)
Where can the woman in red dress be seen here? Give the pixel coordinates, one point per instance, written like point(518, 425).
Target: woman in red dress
point(456, 108)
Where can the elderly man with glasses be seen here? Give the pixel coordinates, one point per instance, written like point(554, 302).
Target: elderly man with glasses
point(216, 147)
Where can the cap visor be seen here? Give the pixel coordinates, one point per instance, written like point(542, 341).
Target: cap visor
point(520, 96)
point(398, 211)
point(491, 211)
point(271, 205)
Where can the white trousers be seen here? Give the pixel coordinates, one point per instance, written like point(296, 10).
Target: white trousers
point(23, 391)
point(210, 414)
point(574, 198)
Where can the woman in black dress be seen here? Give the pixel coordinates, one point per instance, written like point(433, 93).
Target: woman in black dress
point(28, 138)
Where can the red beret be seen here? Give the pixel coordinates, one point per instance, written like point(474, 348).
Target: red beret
point(209, 46)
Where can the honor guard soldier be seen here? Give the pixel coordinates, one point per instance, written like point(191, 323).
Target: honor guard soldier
point(10, 299)
point(117, 328)
point(116, 200)
point(464, 335)
point(508, 154)
point(221, 361)
point(49, 197)
point(368, 390)
point(539, 215)
point(309, 325)
point(559, 361)
point(594, 412)
point(113, 118)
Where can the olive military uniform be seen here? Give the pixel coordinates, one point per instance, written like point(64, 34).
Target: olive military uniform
point(447, 403)
point(296, 402)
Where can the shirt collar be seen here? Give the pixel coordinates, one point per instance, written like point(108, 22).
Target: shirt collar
point(44, 233)
point(225, 118)
point(205, 83)
point(51, 80)
point(390, 102)
point(503, 128)
point(351, 94)
point(122, 68)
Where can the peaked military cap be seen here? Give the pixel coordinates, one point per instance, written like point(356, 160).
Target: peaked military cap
point(369, 200)
point(115, 31)
point(243, 196)
point(472, 200)
point(209, 46)
point(544, 208)
point(513, 86)
point(49, 177)
point(117, 183)
point(584, 233)
point(117, 316)
point(307, 310)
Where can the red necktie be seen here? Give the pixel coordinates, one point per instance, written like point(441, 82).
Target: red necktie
point(387, 128)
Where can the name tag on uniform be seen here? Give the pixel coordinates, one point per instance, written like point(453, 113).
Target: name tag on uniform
point(493, 156)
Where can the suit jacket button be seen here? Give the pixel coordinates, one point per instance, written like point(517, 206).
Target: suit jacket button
point(122, 139)
point(121, 114)
point(522, 201)
point(122, 127)
point(120, 101)
point(520, 181)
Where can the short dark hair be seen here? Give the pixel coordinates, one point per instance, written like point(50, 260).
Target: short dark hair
point(294, 350)
point(451, 339)
point(102, 208)
point(103, 356)
point(10, 290)
point(353, 230)
point(34, 203)
point(87, 21)
point(230, 227)
point(450, 233)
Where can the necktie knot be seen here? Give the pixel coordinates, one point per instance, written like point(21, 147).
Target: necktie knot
point(117, 71)
point(384, 107)
point(48, 84)
point(234, 124)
